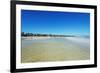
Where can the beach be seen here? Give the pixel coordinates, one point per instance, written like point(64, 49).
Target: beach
point(47, 49)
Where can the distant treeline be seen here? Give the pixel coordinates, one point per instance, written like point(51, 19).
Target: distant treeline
point(51, 35)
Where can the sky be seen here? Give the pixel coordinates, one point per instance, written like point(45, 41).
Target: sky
point(52, 22)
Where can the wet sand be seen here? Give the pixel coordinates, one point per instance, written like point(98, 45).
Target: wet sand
point(55, 49)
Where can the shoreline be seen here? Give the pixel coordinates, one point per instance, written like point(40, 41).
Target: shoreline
point(36, 37)
point(47, 37)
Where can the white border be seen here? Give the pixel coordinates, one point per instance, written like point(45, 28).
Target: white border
point(20, 65)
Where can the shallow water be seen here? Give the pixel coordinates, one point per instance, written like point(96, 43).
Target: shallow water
point(55, 49)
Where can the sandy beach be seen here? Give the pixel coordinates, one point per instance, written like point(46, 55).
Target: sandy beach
point(43, 49)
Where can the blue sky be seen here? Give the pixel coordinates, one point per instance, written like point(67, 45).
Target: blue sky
point(52, 22)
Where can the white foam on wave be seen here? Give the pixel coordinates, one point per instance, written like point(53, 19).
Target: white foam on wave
point(79, 39)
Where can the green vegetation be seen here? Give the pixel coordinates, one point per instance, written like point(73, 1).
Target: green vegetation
point(51, 35)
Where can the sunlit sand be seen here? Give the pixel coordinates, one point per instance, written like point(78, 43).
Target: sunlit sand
point(55, 49)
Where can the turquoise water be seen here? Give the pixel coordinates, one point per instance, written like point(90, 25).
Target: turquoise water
point(76, 41)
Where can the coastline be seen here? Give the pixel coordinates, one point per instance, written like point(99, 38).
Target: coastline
point(38, 37)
